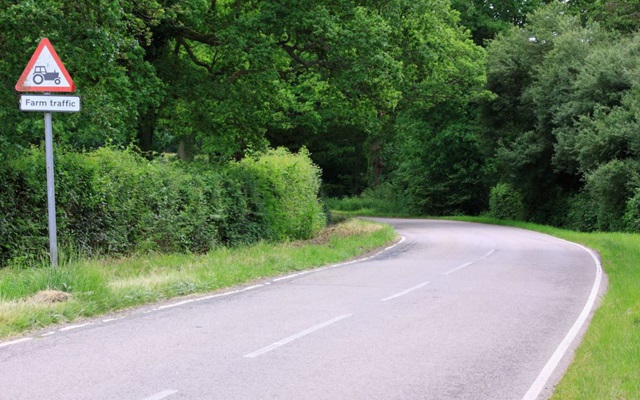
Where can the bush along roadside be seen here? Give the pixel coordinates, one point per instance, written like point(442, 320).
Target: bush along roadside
point(115, 202)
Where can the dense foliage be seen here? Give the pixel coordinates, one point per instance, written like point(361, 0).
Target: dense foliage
point(116, 202)
point(564, 127)
point(428, 104)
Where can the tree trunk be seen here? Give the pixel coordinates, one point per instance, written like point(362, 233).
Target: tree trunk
point(375, 157)
point(146, 129)
point(186, 148)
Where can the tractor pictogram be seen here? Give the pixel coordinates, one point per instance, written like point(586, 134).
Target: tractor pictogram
point(40, 75)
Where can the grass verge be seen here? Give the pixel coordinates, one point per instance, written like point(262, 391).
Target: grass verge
point(607, 363)
point(28, 297)
point(380, 202)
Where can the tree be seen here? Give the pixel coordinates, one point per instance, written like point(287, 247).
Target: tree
point(532, 70)
point(619, 15)
point(99, 48)
point(485, 19)
point(571, 88)
point(442, 171)
point(226, 77)
point(429, 142)
point(257, 65)
point(422, 60)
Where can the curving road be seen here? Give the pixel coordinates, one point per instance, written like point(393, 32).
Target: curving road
point(454, 311)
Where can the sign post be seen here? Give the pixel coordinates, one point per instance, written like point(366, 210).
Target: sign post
point(46, 73)
point(51, 191)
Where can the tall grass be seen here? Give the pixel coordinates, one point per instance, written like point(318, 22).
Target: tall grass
point(382, 200)
point(99, 286)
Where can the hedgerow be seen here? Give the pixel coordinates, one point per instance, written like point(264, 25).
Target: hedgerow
point(113, 202)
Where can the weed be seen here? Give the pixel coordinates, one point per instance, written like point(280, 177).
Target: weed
point(98, 286)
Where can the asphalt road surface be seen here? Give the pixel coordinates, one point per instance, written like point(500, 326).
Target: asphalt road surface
point(454, 311)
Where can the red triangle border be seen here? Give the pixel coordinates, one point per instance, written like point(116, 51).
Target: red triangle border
point(25, 74)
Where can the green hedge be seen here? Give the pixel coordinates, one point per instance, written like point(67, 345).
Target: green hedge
point(287, 186)
point(115, 202)
point(506, 203)
point(632, 214)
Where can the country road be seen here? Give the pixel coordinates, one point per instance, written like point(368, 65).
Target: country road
point(454, 311)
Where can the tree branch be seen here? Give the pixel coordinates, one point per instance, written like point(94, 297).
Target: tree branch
point(192, 56)
point(291, 51)
point(236, 75)
point(205, 38)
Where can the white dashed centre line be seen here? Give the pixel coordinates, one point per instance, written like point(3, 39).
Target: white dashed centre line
point(161, 395)
point(411, 289)
point(296, 336)
point(465, 265)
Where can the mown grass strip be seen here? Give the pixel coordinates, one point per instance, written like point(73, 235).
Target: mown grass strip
point(100, 286)
point(607, 363)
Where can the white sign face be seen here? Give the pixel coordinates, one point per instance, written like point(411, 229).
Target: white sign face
point(45, 72)
point(46, 103)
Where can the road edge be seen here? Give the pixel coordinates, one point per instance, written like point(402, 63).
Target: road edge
point(553, 371)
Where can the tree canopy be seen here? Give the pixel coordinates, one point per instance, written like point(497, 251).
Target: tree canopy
point(564, 124)
point(440, 100)
point(222, 77)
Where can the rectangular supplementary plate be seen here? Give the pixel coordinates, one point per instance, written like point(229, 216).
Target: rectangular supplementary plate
point(49, 103)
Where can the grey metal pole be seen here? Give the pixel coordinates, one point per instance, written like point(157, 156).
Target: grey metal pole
point(51, 193)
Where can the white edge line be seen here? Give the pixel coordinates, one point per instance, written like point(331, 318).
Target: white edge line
point(252, 287)
point(402, 239)
point(282, 278)
point(411, 289)
point(174, 305)
point(542, 379)
point(296, 336)
point(180, 303)
point(203, 298)
point(15, 342)
point(161, 395)
point(68, 328)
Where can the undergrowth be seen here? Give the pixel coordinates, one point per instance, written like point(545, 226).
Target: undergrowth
point(98, 286)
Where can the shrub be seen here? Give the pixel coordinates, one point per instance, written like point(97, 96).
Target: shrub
point(506, 203)
point(610, 186)
point(582, 214)
point(23, 212)
point(116, 202)
point(632, 214)
point(441, 171)
point(288, 186)
point(379, 200)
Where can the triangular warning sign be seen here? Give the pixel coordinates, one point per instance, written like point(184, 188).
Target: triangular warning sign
point(45, 72)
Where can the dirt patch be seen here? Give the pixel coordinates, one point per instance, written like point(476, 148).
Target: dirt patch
point(343, 229)
point(49, 297)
